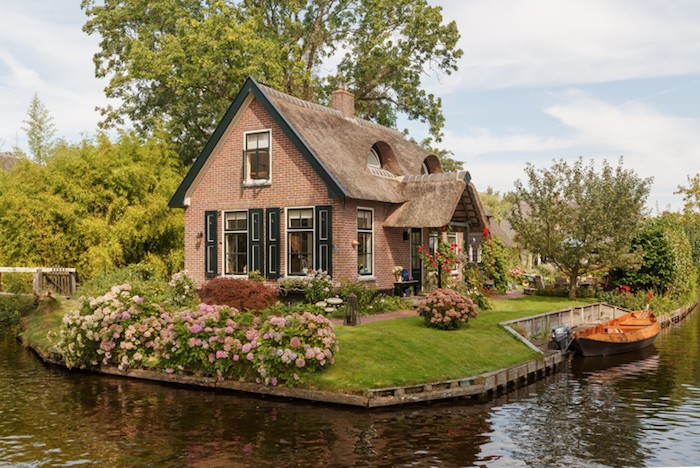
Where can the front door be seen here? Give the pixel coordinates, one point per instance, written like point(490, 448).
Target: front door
point(416, 270)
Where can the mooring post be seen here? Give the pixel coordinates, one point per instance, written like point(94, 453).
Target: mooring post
point(351, 310)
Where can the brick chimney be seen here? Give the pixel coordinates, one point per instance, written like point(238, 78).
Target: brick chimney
point(344, 101)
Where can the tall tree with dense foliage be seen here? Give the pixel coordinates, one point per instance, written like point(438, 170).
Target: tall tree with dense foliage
point(40, 130)
point(96, 206)
point(578, 218)
point(179, 64)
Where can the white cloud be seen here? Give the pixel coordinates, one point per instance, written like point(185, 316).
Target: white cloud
point(44, 51)
point(524, 43)
point(652, 143)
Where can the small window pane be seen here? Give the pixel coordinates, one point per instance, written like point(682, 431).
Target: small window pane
point(301, 218)
point(236, 221)
point(251, 141)
point(364, 219)
point(373, 159)
point(263, 140)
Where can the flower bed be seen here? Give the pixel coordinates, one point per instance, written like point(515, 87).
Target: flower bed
point(126, 331)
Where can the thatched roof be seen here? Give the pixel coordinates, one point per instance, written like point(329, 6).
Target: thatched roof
point(337, 146)
point(7, 160)
point(342, 144)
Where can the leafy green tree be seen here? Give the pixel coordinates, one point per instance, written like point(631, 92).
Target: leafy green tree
point(579, 219)
point(96, 206)
point(40, 130)
point(691, 194)
point(667, 267)
point(179, 64)
point(498, 205)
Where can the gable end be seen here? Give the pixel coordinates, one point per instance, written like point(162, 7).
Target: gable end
point(179, 199)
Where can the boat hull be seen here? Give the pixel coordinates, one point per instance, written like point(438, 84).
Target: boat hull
point(630, 332)
point(587, 347)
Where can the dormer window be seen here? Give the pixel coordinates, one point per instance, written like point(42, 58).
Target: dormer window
point(373, 159)
point(256, 157)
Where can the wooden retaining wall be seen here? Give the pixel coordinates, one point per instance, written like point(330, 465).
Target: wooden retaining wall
point(479, 386)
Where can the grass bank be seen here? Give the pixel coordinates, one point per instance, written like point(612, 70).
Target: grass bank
point(391, 352)
point(404, 351)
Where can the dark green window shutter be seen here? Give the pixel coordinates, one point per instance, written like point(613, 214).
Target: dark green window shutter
point(324, 239)
point(273, 243)
point(255, 240)
point(211, 251)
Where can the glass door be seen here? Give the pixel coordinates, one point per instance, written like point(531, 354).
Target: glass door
point(416, 270)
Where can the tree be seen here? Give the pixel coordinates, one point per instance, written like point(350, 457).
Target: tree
point(179, 64)
point(667, 264)
point(691, 194)
point(579, 219)
point(497, 205)
point(40, 130)
point(115, 214)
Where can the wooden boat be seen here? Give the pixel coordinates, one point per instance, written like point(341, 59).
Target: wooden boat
point(623, 334)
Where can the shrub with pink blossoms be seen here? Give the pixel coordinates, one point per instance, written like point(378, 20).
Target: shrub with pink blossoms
point(446, 309)
point(293, 345)
point(124, 330)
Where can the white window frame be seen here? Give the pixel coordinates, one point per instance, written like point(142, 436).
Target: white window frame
point(371, 273)
point(288, 231)
point(247, 180)
point(225, 243)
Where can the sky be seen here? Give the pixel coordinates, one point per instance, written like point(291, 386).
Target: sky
point(540, 80)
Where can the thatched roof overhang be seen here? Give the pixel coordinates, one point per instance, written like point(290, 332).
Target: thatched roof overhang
point(433, 200)
point(251, 87)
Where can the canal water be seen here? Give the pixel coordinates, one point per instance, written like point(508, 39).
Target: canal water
point(641, 410)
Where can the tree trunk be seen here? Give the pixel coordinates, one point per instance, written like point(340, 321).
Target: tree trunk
point(573, 279)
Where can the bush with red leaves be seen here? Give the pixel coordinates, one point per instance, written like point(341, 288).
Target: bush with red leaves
point(239, 293)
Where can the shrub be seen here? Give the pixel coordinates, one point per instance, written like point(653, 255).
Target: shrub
point(319, 286)
point(666, 265)
point(13, 308)
point(365, 295)
point(182, 289)
point(495, 263)
point(446, 309)
point(240, 294)
point(290, 345)
point(143, 280)
point(121, 329)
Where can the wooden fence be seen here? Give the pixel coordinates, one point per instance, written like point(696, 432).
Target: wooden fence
point(57, 280)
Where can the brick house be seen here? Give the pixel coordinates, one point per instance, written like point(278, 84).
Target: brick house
point(284, 186)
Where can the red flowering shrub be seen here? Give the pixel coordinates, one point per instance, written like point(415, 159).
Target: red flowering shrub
point(447, 309)
point(238, 293)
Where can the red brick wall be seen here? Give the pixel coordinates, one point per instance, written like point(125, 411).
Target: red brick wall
point(294, 184)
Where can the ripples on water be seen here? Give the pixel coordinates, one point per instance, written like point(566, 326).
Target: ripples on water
point(641, 410)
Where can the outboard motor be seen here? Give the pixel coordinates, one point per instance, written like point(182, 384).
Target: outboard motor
point(562, 337)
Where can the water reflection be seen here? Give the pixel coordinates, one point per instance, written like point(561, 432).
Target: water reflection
point(630, 411)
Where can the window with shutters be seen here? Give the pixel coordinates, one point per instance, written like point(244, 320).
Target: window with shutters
point(256, 157)
point(300, 241)
point(236, 242)
point(365, 242)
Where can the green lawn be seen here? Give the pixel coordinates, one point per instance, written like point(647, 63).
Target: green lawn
point(393, 352)
point(404, 351)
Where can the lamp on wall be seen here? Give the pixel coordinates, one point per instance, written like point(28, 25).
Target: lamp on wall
point(354, 243)
point(405, 234)
point(200, 234)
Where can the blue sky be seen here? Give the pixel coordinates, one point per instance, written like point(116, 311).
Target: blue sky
point(539, 80)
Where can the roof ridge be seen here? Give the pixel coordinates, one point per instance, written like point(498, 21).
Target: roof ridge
point(437, 177)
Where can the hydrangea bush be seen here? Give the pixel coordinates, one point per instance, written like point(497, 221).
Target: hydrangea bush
point(446, 309)
point(124, 330)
